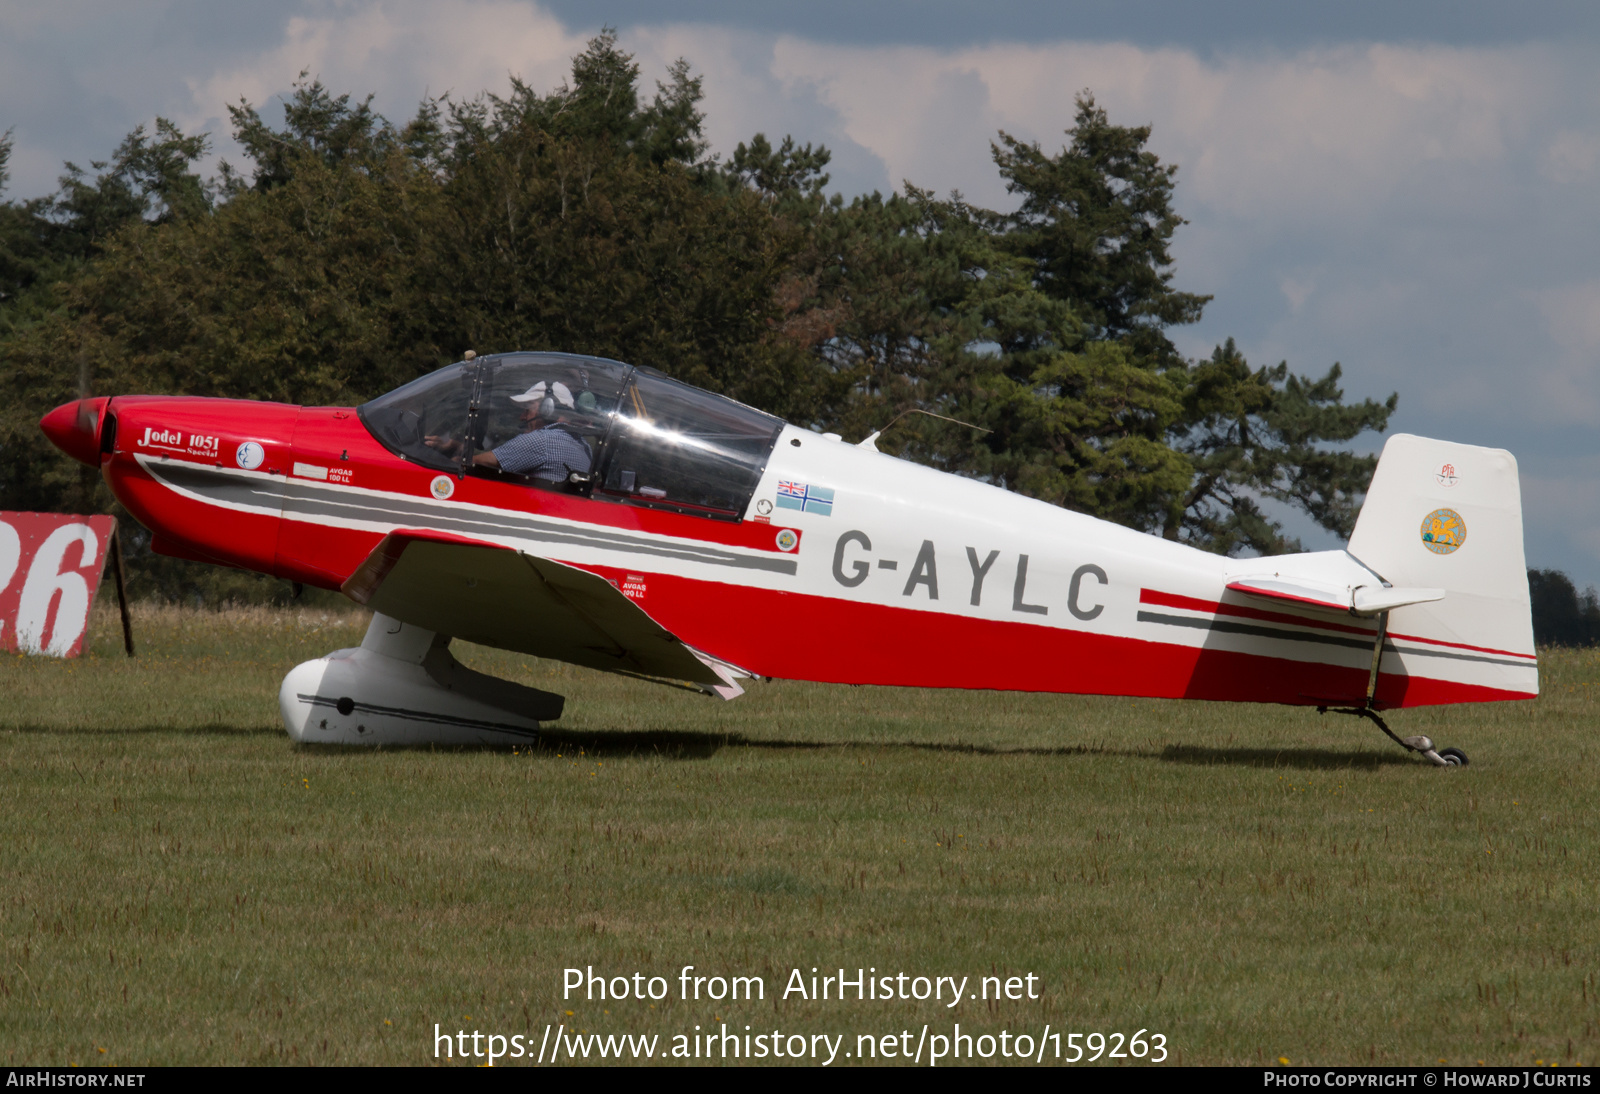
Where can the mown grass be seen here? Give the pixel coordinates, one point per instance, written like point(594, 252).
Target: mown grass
point(180, 884)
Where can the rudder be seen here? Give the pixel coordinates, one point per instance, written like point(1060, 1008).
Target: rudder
point(1449, 516)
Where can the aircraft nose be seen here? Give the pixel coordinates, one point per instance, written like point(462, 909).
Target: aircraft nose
point(75, 428)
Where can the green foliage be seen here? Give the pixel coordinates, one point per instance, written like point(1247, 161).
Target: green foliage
point(556, 234)
point(1087, 431)
point(54, 253)
point(1264, 434)
point(789, 177)
point(1562, 616)
point(354, 254)
point(317, 128)
point(1097, 220)
point(884, 312)
point(1046, 328)
point(149, 179)
point(930, 309)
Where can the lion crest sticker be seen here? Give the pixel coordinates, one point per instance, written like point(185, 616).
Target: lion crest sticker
point(441, 487)
point(1443, 531)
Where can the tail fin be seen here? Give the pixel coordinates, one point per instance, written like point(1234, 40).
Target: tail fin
point(1449, 516)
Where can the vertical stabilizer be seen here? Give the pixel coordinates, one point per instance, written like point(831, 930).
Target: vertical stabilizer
point(1449, 516)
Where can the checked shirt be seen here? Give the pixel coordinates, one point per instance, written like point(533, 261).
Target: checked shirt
point(549, 453)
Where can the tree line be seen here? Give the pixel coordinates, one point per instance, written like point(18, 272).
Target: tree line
point(351, 254)
point(1562, 616)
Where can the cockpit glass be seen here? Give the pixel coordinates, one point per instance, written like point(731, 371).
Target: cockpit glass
point(581, 424)
point(546, 415)
point(677, 447)
point(425, 421)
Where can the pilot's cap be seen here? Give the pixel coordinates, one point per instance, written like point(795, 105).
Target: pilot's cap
point(556, 390)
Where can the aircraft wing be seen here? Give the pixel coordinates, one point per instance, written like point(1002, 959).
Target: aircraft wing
point(496, 596)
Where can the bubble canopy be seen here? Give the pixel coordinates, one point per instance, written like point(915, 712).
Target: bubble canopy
point(655, 441)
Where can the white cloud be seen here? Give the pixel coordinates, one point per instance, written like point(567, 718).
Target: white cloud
point(1297, 290)
point(1561, 515)
point(399, 51)
point(1568, 380)
point(926, 115)
point(1571, 157)
point(1330, 130)
point(745, 95)
point(1573, 312)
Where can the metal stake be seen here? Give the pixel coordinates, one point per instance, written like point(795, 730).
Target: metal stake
point(122, 588)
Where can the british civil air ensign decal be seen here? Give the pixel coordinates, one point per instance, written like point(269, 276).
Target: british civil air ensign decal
point(806, 498)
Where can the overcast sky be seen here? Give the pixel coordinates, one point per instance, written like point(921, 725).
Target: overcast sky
point(1409, 189)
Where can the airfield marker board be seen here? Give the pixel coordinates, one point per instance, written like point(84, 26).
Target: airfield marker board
point(50, 567)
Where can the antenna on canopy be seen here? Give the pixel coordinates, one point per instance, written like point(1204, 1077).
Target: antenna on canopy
point(870, 444)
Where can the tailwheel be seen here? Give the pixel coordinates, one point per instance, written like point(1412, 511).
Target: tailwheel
point(1420, 744)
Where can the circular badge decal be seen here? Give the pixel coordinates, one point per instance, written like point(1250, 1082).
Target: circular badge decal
point(442, 487)
point(1446, 475)
point(1443, 531)
point(763, 507)
point(250, 455)
point(787, 540)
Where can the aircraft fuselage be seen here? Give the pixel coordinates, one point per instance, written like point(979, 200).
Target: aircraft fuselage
point(847, 565)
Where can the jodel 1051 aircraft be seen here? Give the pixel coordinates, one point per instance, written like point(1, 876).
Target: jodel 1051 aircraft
point(605, 515)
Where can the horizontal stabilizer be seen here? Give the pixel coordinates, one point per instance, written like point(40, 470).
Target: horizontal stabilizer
point(1358, 600)
point(1294, 592)
point(1372, 599)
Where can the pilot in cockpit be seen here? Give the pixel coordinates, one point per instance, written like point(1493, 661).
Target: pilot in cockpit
point(548, 448)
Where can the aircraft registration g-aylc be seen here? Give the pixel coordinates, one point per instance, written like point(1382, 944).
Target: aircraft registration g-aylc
point(661, 531)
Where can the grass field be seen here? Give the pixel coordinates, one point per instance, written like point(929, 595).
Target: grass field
point(181, 884)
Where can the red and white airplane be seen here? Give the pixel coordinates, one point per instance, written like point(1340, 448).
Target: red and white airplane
point(679, 535)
